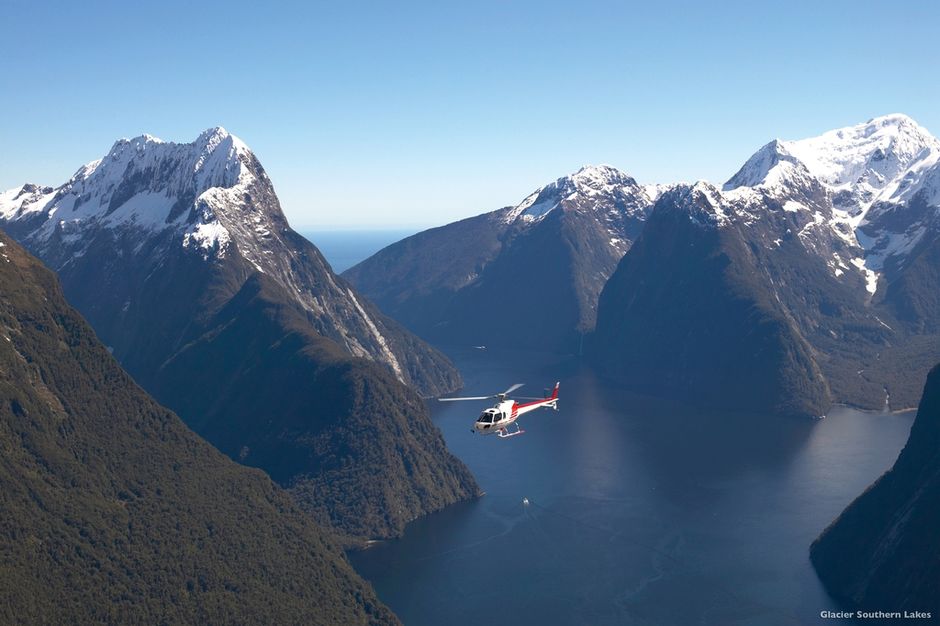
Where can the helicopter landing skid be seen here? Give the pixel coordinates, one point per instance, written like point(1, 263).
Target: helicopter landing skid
point(505, 433)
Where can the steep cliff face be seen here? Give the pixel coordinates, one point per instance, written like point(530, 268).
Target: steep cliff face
point(690, 314)
point(524, 276)
point(883, 551)
point(354, 446)
point(114, 511)
point(182, 261)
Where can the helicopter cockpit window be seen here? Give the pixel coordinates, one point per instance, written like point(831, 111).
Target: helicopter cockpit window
point(486, 418)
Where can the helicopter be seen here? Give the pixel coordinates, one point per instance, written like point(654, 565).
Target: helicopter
point(499, 418)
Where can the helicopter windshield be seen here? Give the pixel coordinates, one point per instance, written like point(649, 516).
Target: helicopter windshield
point(486, 418)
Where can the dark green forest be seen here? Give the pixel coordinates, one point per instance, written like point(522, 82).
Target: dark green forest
point(113, 511)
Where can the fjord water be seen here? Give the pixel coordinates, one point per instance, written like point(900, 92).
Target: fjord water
point(638, 512)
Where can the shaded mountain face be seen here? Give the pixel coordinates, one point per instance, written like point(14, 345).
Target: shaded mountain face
point(526, 276)
point(804, 233)
point(353, 445)
point(114, 511)
point(179, 256)
point(883, 551)
point(156, 234)
point(687, 315)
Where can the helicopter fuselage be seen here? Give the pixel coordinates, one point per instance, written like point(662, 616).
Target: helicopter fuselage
point(499, 417)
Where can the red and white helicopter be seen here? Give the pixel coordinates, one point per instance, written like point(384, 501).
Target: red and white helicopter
point(499, 418)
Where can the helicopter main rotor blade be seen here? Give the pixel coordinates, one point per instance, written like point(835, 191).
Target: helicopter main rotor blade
point(469, 398)
point(511, 389)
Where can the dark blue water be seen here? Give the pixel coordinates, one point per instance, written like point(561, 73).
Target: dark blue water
point(345, 248)
point(639, 512)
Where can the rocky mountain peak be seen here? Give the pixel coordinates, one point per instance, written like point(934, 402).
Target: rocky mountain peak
point(701, 201)
point(773, 157)
point(599, 176)
point(592, 186)
point(208, 205)
point(213, 159)
point(861, 165)
point(149, 186)
point(864, 163)
point(872, 191)
point(213, 136)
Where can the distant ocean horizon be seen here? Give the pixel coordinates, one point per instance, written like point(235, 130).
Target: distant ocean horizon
point(344, 248)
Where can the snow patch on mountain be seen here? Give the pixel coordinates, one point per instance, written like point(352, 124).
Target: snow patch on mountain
point(768, 166)
point(593, 186)
point(206, 237)
point(25, 200)
point(654, 191)
point(380, 339)
point(531, 209)
point(871, 277)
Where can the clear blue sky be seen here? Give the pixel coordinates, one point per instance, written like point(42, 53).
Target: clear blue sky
point(406, 113)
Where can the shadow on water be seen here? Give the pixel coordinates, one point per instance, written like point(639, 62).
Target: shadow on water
point(693, 448)
point(639, 511)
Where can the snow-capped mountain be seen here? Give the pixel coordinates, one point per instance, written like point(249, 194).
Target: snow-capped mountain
point(147, 185)
point(835, 238)
point(693, 313)
point(181, 259)
point(613, 196)
point(527, 275)
point(148, 200)
point(869, 172)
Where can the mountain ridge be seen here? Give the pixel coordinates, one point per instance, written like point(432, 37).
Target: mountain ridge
point(487, 279)
point(832, 239)
point(211, 197)
point(171, 269)
point(814, 216)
